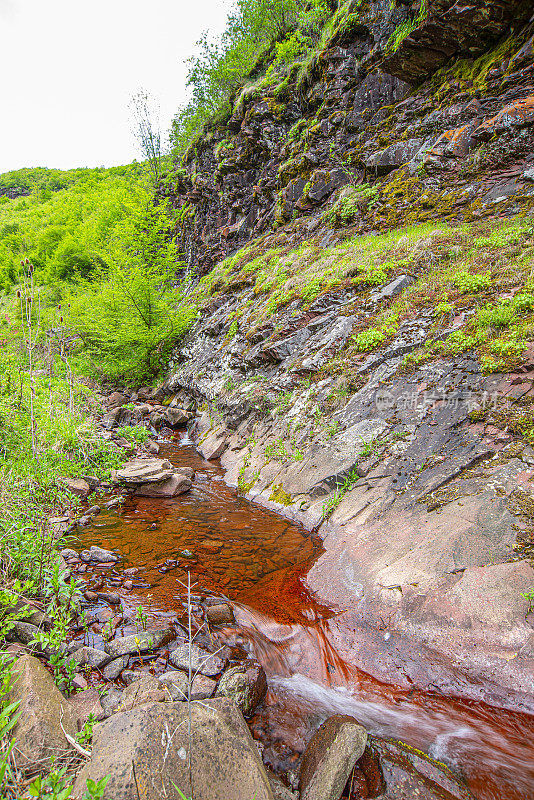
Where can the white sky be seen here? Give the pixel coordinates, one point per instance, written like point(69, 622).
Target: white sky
point(70, 68)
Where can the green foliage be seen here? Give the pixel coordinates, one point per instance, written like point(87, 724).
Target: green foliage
point(137, 434)
point(63, 232)
point(131, 314)
point(257, 31)
point(369, 339)
point(443, 309)
point(337, 496)
point(468, 283)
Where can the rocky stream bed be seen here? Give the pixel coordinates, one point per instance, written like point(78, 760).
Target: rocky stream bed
point(266, 650)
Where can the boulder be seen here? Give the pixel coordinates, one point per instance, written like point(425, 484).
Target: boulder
point(138, 471)
point(101, 555)
point(84, 704)
point(43, 710)
point(395, 771)
point(146, 752)
point(173, 486)
point(175, 417)
point(142, 642)
point(142, 691)
point(175, 683)
point(90, 656)
point(201, 661)
point(112, 670)
point(78, 486)
point(221, 614)
point(330, 757)
point(245, 684)
point(116, 399)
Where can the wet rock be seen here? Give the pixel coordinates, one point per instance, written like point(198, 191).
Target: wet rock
point(68, 553)
point(211, 546)
point(175, 417)
point(245, 684)
point(279, 789)
point(407, 773)
point(128, 585)
point(112, 670)
point(101, 555)
point(212, 447)
point(201, 661)
point(176, 683)
point(144, 642)
point(78, 486)
point(152, 448)
point(93, 511)
point(90, 656)
point(136, 749)
point(330, 757)
point(220, 615)
point(42, 710)
point(110, 597)
point(90, 596)
point(188, 472)
point(113, 503)
point(83, 521)
point(144, 690)
point(139, 471)
point(173, 486)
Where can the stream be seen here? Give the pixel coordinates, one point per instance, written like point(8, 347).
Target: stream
point(259, 561)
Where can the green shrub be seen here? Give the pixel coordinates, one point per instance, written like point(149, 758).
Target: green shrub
point(467, 283)
point(369, 339)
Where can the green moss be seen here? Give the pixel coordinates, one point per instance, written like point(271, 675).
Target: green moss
point(278, 495)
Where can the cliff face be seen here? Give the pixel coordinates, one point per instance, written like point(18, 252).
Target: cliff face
point(364, 362)
point(434, 111)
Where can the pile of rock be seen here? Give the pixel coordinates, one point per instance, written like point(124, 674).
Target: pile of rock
point(153, 477)
point(151, 413)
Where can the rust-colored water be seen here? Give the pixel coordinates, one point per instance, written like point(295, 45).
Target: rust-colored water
point(259, 561)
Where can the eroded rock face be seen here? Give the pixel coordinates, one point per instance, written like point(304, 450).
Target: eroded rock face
point(146, 751)
point(43, 710)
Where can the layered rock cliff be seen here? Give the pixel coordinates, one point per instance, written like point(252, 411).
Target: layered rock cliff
point(364, 359)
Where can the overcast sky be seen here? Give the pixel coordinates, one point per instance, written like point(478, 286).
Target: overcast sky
point(70, 68)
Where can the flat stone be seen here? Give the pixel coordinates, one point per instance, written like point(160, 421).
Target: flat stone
point(144, 470)
point(144, 690)
point(330, 757)
point(78, 486)
point(171, 487)
point(90, 656)
point(176, 683)
point(144, 642)
point(104, 556)
point(145, 751)
point(201, 661)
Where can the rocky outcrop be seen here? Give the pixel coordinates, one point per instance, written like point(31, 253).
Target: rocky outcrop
point(330, 758)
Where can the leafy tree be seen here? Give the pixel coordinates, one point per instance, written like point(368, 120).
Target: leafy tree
point(130, 315)
point(221, 67)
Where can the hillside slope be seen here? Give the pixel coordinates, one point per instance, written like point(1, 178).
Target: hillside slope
point(364, 359)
